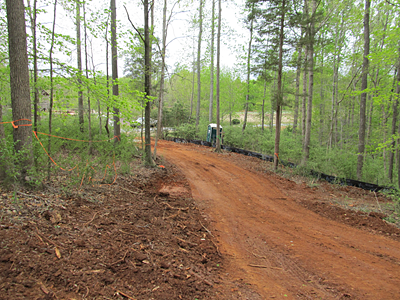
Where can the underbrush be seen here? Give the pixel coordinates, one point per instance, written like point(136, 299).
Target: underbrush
point(67, 153)
point(336, 161)
point(393, 208)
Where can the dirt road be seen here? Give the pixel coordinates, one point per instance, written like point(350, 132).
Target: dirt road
point(278, 247)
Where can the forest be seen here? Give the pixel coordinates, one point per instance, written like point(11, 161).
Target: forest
point(313, 82)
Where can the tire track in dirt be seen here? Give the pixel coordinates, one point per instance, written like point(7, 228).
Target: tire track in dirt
point(273, 243)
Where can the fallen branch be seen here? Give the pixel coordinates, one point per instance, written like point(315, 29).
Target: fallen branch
point(194, 233)
point(40, 238)
point(173, 216)
point(125, 295)
point(264, 267)
point(201, 278)
point(186, 242)
point(206, 229)
point(121, 260)
point(128, 190)
point(87, 223)
point(44, 289)
point(218, 252)
point(87, 293)
point(127, 233)
point(171, 207)
point(48, 240)
point(27, 195)
point(168, 205)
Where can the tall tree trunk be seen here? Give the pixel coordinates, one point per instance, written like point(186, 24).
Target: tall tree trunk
point(394, 121)
point(296, 97)
point(51, 90)
point(211, 104)
point(273, 105)
point(199, 63)
point(151, 29)
point(384, 112)
point(87, 77)
point(161, 100)
point(147, 86)
point(19, 83)
point(336, 87)
point(263, 103)
point(218, 142)
point(114, 65)
point(375, 94)
point(279, 93)
point(79, 59)
point(331, 134)
point(248, 71)
point(398, 99)
point(335, 105)
point(193, 78)
point(363, 100)
point(311, 33)
point(369, 119)
point(192, 94)
point(2, 134)
point(384, 129)
point(33, 18)
point(304, 102)
point(108, 82)
point(2, 143)
point(322, 104)
point(354, 88)
point(246, 111)
point(95, 83)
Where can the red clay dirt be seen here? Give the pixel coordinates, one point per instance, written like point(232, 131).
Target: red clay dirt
point(140, 238)
point(277, 246)
point(207, 226)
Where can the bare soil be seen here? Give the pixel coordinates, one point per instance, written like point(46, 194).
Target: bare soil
point(207, 226)
point(288, 240)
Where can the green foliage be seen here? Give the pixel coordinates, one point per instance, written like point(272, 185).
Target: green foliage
point(5, 93)
point(8, 163)
point(12, 162)
point(186, 131)
point(393, 207)
point(175, 115)
point(232, 92)
point(89, 161)
point(333, 161)
point(134, 59)
point(339, 43)
point(202, 129)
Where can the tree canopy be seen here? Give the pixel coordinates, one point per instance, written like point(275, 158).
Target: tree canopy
point(316, 88)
